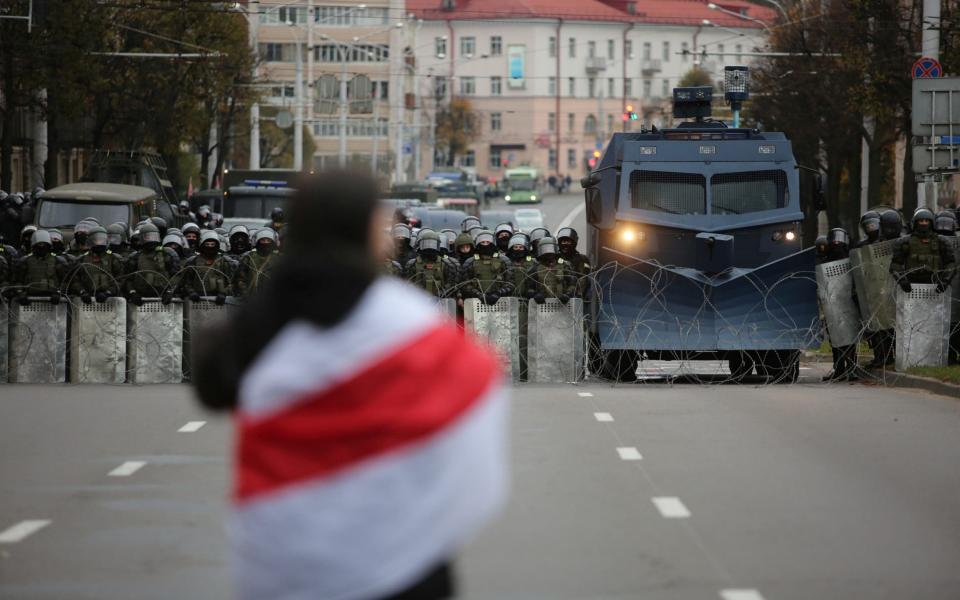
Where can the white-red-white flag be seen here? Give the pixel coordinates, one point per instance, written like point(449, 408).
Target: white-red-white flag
point(366, 453)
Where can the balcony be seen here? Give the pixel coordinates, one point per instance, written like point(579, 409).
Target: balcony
point(595, 64)
point(651, 66)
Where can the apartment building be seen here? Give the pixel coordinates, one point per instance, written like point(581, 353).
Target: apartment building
point(550, 79)
point(355, 42)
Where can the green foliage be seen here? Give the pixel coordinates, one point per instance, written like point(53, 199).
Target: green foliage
point(948, 374)
point(695, 77)
point(457, 126)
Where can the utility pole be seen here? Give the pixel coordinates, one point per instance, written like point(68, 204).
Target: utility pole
point(376, 134)
point(253, 19)
point(930, 37)
point(343, 106)
point(298, 118)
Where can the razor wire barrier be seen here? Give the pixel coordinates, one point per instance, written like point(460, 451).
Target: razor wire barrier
point(555, 341)
point(37, 346)
point(923, 327)
point(155, 342)
point(98, 341)
point(500, 325)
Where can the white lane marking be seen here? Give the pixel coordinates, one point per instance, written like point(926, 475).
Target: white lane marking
point(671, 508)
point(126, 469)
point(603, 417)
point(571, 216)
point(22, 530)
point(585, 394)
point(805, 369)
point(740, 595)
point(192, 426)
point(629, 453)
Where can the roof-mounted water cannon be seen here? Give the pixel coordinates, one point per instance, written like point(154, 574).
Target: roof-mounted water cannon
point(692, 102)
point(736, 89)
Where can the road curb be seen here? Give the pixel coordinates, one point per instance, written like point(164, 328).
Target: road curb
point(894, 379)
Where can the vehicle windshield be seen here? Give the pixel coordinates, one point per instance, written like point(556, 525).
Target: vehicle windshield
point(669, 192)
point(63, 214)
point(251, 206)
point(528, 223)
point(522, 184)
point(755, 191)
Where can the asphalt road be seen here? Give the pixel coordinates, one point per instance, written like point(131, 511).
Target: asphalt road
point(558, 209)
point(636, 491)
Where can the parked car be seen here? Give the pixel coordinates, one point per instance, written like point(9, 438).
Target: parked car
point(492, 218)
point(437, 219)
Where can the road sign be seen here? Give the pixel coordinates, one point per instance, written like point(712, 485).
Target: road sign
point(408, 149)
point(927, 68)
point(936, 125)
point(284, 119)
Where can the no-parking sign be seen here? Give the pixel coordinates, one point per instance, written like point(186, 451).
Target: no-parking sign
point(927, 68)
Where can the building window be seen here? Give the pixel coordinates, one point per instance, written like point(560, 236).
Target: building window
point(496, 86)
point(272, 52)
point(381, 90)
point(685, 49)
point(590, 124)
point(553, 47)
point(628, 88)
point(666, 88)
point(284, 14)
point(468, 46)
point(552, 158)
point(495, 158)
point(591, 87)
point(611, 91)
point(551, 121)
point(496, 45)
point(591, 49)
point(571, 158)
point(469, 159)
point(495, 122)
point(282, 91)
point(349, 16)
point(611, 49)
point(646, 88)
point(551, 86)
point(739, 50)
point(627, 48)
point(609, 124)
point(440, 47)
point(572, 47)
point(572, 87)
point(440, 88)
point(720, 56)
point(666, 52)
point(646, 51)
point(468, 86)
point(571, 121)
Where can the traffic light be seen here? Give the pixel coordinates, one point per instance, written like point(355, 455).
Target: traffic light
point(592, 163)
point(629, 115)
point(596, 154)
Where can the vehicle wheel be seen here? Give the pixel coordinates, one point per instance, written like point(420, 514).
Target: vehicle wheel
point(741, 366)
point(619, 365)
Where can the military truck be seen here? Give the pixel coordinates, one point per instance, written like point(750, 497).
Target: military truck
point(137, 168)
point(695, 235)
point(64, 206)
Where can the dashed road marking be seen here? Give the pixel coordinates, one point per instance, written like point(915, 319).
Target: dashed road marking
point(671, 508)
point(603, 417)
point(192, 426)
point(629, 453)
point(740, 595)
point(22, 530)
point(585, 394)
point(127, 469)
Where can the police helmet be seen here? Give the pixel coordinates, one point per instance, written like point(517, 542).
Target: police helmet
point(220, 231)
point(464, 239)
point(484, 236)
point(945, 223)
point(891, 224)
point(503, 227)
point(239, 230)
point(821, 244)
point(216, 219)
point(149, 233)
point(209, 236)
point(475, 231)
point(838, 236)
point(519, 239)
point(546, 247)
point(191, 227)
point(568, 232)
point(448, 237)
point(538, 233)
point(428, 241)
point(40, 236)
point(922, 214)
point(266, 234)
point(204, 211)
point(469, 223)
point(97, 236)
point(276, 215)
point(172, 238)
point(870, 222)
point(116, 232)
point(28, 229)
point(83, 226)
point(160, 223)
point(401, 230)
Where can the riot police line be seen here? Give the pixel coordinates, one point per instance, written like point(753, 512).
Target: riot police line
point(897, 292)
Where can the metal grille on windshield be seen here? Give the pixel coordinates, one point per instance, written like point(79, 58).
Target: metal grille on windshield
point(753, 191)
point(668, 192)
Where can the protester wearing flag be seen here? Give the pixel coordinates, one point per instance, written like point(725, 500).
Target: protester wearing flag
point(370, 439)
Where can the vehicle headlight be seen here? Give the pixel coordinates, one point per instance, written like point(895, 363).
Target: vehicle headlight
point(790, 236)
point(507, 197)
point(533, 196)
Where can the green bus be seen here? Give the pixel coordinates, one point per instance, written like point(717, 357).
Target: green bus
point(521, 186)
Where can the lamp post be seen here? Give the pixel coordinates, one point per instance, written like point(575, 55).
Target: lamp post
point(716, 7)
point(298, 109)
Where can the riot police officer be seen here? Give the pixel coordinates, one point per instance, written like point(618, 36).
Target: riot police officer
point(239, 241)
point(503, 233)
point(537, 234)
point(191, 231)
point(26, 239)
point(149, 270)
point(469, 223)
point(923, 256)
point(483, 274)
point(821, 245)
point(98, 272)
point(79, 246)
point(838, 244)
point(463, 248)
point(945, 223)
point(891, 225)
point(567, 239)
point(430, 271)
point(117, 239)
point(844, 357)
point(276, 219)
point(207, 273)
point(403, 252)
point(40, 273)
point(550, 276)
point(870, 225)
point(255, 266)
point(448, 238)
point(174, 242)
point(518, 253)
point(161, 224)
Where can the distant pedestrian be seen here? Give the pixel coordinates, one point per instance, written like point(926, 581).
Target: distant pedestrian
point(567, 182)
point(370, 432)
point(552, 181)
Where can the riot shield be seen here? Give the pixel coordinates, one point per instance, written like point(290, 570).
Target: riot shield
point(500, 324)
point(875, 286)
point(98, 349)
point(923, 324)
point(555, 341)
point(835, 293)
point(4, 339)
point(448, 306)
point(155, 342)
point(198, 316)
point(38, 342)
point(955, 284)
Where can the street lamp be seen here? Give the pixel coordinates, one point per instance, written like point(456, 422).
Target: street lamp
point(713, 6)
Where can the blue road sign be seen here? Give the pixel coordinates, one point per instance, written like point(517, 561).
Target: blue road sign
point(927, 68)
